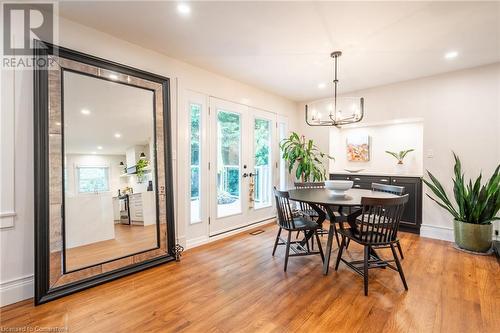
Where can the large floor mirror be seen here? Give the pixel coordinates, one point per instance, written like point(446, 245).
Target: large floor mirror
point(103, 187)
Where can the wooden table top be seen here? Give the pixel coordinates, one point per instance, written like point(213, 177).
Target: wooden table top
point(325, 197)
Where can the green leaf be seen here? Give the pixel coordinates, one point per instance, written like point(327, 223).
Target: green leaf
point(476, 203)
point(304, 157)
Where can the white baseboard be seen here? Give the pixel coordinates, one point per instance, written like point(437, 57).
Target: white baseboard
point(198, 241)
point(16, 290)
point(190, 243)
point(436, 232)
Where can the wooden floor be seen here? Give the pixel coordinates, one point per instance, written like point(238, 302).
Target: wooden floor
point(235, 285)
point(129, 239)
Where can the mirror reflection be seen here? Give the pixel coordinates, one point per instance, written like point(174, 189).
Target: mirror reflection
point(109, 170)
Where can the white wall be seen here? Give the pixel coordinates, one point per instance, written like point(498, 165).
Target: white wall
point(16, 243)
point(460, 111)
point(394, 137)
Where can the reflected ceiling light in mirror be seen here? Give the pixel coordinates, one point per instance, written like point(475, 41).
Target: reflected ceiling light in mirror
point(85, 112)
point(183, 9)
point(451, 55)
point(113, 76)
point(118, 135)
point(94, 152)
point(99, 147)
point(58, 124)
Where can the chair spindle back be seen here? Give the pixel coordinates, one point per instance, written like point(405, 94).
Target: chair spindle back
point(380, 218)
point(304, 206)
point(285, 213)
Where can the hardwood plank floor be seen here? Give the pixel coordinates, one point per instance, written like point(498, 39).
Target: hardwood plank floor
point(235, 285)
point(129, 239)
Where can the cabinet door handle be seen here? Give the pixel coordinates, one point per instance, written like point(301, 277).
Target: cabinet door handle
point(384, 180)
point(357, 178)
point(357, 185)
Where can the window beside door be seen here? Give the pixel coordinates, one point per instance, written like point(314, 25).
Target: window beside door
point(195, 123)
point(262, 163)
point(282, 129)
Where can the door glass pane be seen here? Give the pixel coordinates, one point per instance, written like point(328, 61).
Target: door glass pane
point(195, 163)
point(283, 175)
point(228, 163)
point(262, 163)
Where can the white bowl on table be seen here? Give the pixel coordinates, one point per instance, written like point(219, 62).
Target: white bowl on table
point(338, 187)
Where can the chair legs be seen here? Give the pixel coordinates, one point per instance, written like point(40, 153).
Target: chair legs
point(400, 268)
point(365, 268)
point(288, 242)
point(287, 253)
point(366, 263)
point(276, 241)
point(400, 250)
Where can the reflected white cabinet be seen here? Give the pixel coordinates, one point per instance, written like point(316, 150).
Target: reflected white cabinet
point(136, 212)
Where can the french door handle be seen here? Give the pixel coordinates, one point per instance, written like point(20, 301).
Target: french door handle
point(245, 175)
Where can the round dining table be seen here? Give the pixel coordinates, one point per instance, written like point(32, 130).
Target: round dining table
point(340, 209)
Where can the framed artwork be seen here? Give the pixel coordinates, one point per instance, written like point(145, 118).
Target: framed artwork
point(358, 147)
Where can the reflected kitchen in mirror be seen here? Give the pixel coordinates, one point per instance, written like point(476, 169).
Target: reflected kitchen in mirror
point(109, 170)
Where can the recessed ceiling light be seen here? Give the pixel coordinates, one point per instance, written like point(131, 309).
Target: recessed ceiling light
point(85, 112)
point(99, 147)
point(183, 9)
point(94, 152)
point(451, 55)
point(118, 135)
point(321, 85)
point(113, 76)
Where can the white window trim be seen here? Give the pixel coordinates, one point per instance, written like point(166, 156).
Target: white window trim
point(77, 178)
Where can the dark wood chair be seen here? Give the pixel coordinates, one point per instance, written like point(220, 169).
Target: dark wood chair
point(305, 208)
point(290, 222)
point(397, 190)
point(377, 228)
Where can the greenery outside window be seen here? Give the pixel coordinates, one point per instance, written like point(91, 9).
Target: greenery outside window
point(92, 179)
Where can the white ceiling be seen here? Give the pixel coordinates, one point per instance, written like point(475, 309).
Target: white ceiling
point(114, 108)
point(284, 47)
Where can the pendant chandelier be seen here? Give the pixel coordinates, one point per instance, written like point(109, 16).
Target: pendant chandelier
point(337, 111)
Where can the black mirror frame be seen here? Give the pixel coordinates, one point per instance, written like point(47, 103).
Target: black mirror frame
point(43, 293)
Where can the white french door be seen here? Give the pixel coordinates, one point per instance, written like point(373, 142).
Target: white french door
point(242, 165)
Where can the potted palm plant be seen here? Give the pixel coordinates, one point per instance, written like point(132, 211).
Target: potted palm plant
point(474, 209)
point(305, 157)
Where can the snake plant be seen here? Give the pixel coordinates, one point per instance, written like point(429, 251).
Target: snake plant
point(305, 156)
point(474, 203)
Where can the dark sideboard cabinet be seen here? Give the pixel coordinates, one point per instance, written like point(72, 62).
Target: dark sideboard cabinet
point(412, 217)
